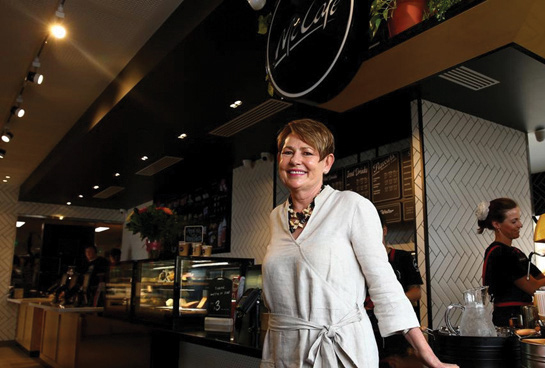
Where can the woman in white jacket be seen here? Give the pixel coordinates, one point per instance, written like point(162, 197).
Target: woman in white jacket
point(325, 249)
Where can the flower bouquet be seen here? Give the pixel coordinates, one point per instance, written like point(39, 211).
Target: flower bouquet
point(155, 225)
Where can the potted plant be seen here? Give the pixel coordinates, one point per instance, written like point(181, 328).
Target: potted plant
point(156, 225)
point(403, 14)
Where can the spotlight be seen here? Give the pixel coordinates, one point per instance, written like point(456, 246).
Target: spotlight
point(540, 134)
point(18, 111)
point(58, 31)
point(35, 77)
point(257, 4)
point(2, 153)
point(7, 136)
point(60, 11)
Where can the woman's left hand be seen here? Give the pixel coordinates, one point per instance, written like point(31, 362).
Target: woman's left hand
point(423, 350)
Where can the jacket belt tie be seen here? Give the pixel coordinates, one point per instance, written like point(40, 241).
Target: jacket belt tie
point(327, 349)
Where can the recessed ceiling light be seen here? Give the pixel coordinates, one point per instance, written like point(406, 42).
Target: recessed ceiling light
point(144, 158)
point(117, 174)
point(8, 177)
point(5, 180)
point(80, 196)
point(68, 203)
point(235, 104)
point(182, 136)
point(101, 229)
point(96, 187)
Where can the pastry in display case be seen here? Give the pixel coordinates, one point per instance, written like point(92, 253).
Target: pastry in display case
point(155, 291)
point(119, 290)
point(178, 289)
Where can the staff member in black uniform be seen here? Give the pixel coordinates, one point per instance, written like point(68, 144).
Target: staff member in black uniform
point(408, 274)
point(505, 267)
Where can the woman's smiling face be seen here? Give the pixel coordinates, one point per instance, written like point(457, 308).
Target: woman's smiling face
point(300, 167)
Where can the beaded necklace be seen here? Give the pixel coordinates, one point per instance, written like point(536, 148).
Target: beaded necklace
point(299, 219)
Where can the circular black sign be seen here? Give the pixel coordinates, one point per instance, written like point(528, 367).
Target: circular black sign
point(314, 47)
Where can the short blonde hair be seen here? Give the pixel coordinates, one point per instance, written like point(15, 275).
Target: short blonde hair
point(310, 131)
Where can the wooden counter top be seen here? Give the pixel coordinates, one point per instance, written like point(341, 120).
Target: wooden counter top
point(60, 309)
point(28, 300)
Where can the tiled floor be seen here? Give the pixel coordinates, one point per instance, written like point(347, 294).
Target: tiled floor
point(12, 356)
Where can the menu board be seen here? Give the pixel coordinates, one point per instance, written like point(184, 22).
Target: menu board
point(408, 211)
point(391, 212)
point(357, 178)
point(407, 174)
point(219, 297)
point(385, 172)
point(193, 234)
point(206, 211)
point(335, 179)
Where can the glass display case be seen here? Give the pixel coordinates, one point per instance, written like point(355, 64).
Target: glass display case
point(176, 292)
point(118, 296)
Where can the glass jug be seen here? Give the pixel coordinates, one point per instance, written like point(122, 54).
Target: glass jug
point(476, 314)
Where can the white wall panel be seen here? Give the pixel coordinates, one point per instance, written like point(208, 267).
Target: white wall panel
point(252, 204)
point(467, 160)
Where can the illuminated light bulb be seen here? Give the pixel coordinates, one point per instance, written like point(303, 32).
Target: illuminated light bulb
point(58, 31)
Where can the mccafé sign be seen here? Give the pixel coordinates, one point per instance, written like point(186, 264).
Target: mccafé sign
point(315, 47)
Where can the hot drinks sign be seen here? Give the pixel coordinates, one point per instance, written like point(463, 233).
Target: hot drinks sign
point(314, 47)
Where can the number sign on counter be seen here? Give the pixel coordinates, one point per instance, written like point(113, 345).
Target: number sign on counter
point(356, 179)
point(385, 178)
point(219, 297)
point(335, 179)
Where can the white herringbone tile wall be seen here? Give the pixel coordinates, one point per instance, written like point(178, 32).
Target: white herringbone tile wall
point(252, 203)
point(420, 226)
point(467, 160)
point(10, 208)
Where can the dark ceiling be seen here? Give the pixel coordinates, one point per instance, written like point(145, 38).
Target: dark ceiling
point(221, 61)
point(516, 101)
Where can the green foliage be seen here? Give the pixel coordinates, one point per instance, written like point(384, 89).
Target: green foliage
point(438, 8)
point(381, 10)
point(154, 223)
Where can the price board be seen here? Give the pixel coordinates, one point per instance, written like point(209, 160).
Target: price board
point(335, 179)
point(408, 211)
point(407, 174)
point(385, 178)
point(357, 177)
point(219, 297)
point(391, 212)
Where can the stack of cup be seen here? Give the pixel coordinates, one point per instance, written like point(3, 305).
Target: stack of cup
point(197, 249)
point(539, 299)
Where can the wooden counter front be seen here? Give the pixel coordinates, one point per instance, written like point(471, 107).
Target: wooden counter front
point(29, 328)
point(71, 339)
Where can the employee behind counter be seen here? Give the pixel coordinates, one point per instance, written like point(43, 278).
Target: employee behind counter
point(94, 274)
